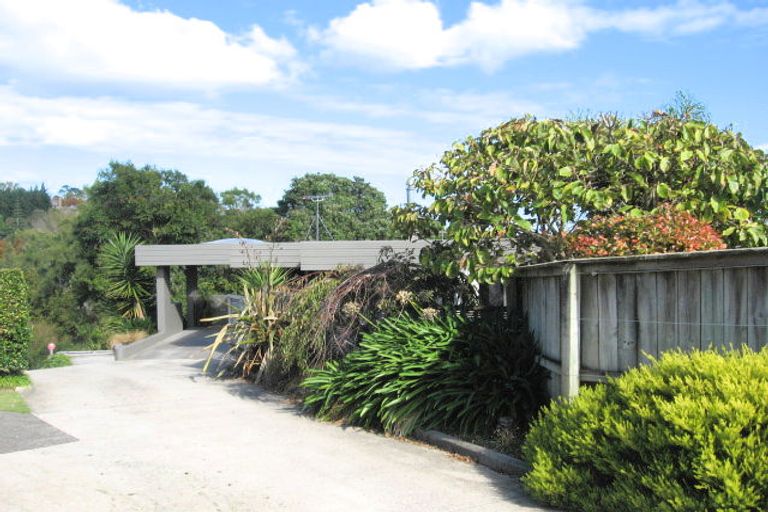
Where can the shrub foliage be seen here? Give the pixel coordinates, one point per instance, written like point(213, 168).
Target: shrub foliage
point(525, 182)
point(411, 373)
point(687, 433)
point(15, 327)
point(667, 230)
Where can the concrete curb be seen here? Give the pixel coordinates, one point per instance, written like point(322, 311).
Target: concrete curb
point(490, 458)
point(77, 353)
point(123, 352)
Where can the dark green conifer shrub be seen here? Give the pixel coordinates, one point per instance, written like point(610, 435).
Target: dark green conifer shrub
point(686, 433)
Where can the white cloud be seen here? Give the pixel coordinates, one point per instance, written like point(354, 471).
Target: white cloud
point(410, 34)
point(106, 41)
point(180, 133)
point(468, 110)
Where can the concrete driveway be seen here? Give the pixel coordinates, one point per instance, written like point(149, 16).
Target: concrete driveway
point(153, 435)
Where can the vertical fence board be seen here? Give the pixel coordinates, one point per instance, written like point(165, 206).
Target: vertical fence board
point(689, 309)
point(626, 297)
point(608, 323)
point(666, 289)
point(541, 306)
point(570, 363)
point(758, 302)
point(735, 315)
point(589, 323)
point(553, 317)
point(647, 314)
point(712, 308)
point(533, 313)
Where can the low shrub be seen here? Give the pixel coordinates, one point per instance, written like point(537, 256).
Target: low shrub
point(391, 288)
point(43, 333)
point(125, 338)
point(686, 433)
point(56, 361)
point(303, 340)
point(451, 373)
point(14, 381)
point(15, 329)
point(253, 333)
point(666, 230)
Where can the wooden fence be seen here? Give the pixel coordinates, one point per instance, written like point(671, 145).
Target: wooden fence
point(601, 316)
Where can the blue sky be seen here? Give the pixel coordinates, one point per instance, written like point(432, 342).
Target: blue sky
point(251, 93)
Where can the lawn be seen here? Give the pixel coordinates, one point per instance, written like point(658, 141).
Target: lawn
point(10, 400)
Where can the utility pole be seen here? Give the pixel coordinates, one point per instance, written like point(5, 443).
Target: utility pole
point(317, 199)
point(408, 189)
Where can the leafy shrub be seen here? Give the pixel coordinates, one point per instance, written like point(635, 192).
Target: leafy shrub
point(375, 293)
point(666, 230)
point(15, 329)
point(56, 361)
point(523, 183)
point(303, 339)
point(687, 433)
point(450, 372)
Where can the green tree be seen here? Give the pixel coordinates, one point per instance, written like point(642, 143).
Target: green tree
point(61, 281)
point(353, 208)
point(242, 216)
point(509, 195)
point(17, 203)
point(158, 206)
point(259, 223)
point(239, 199)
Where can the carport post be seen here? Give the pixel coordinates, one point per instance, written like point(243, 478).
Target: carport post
point(168, 318)
point(193, 297)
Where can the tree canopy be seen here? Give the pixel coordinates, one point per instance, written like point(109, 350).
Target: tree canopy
point(353, 210)
point(159, 206)
point(239, 199)
point(17, 203)
point(525, 183)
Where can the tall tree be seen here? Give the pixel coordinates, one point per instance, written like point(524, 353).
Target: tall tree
point(351, 209)
point(241, 215)
point(159, 206)
point(239, 199)
point(17, 203)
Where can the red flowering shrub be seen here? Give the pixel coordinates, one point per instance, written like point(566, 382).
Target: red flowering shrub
point(666, 230)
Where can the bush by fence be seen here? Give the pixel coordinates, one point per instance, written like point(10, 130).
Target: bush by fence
point(15, 330)
point(686, 433)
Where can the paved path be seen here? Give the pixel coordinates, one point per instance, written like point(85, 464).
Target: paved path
point(154, 436)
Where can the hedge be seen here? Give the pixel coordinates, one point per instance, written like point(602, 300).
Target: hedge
point(687, 433)
point(15, 329)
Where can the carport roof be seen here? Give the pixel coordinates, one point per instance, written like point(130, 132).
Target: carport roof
point(310, 255)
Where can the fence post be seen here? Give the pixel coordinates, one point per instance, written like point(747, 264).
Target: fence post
point(570, 351)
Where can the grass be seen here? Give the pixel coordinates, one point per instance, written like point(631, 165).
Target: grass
point(10, 400)
point(14, 381)
point(56, 361)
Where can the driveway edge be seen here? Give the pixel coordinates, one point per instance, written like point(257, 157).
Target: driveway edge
point(490, 458)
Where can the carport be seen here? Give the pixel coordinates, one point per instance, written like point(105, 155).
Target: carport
point(310, 256)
